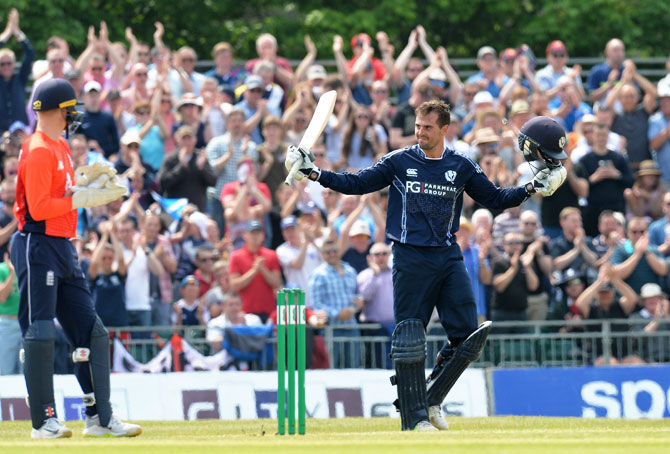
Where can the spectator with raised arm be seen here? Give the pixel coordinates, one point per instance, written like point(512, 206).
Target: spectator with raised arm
point(406, 67)
point(93, 65)
point(645, 198)
point(266, 47)
point(633, 122)
point(255, 108)
point(13, 82)
point(489, 77)
point(568, 107)
point(658, 132)
point(604, 76)
point(183, 78)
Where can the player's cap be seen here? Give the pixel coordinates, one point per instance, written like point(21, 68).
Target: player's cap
point(483, 97)
point(556, 46)
point(190, 279)
point(359, 39)
point(131, 136)
point(360, 227)
point(54, 94)
point(253, 81)
point(189, 99)
point(519, 106)
point(651, 290)
point(548, 135)
point(253, 225)
point(509, 54)
point(92, 85)
point(485, 50)
point(663, 88)
point(288, 221)
point(316, 72)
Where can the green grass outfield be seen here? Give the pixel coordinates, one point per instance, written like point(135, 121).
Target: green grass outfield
point(380, 435)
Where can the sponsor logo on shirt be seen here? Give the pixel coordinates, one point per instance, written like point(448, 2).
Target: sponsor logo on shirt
point(440, 190)
point(412, 173)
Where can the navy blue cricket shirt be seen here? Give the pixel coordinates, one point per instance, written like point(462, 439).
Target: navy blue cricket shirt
point(426, 194)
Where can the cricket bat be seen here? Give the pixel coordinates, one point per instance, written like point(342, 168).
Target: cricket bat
point(317, 124)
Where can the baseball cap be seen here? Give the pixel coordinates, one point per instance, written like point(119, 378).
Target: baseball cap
point(288, 221)
point(73, 74)
point(556, 46)
point(437, 74)
point(92, 85)
point(190, 279)
point(307, 207)
point(482, 97)
point(509, 54)
point(650, 290)
point(189, 99)
point(131, 136)
point(316, 72)
point(19, 125)
point(484, 51)
point(253, 225)
point(54, 94)
point(200, 220)
point(519, 106)
point(358, 39)
point(663, 88)
point(253, 81)
point(360, 227)
point(588, 119)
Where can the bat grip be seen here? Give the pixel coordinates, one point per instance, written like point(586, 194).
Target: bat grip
point(291, 173)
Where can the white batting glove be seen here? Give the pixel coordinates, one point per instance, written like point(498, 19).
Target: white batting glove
point(299, 157)
point(546, 182)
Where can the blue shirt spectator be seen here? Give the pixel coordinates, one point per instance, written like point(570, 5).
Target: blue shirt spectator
point(13, 84)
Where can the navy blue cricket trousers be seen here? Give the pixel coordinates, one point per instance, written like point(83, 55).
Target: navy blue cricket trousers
point(425, 278)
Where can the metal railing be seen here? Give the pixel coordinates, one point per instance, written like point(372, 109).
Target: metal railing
point(510, 344)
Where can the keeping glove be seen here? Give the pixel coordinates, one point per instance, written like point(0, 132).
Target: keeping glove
point(92, 176)
point(100, 191)
point(304, 161)
point(546, 182)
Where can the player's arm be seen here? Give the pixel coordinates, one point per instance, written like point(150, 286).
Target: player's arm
point(482, 190)
point(37, 173)
point(367, 180)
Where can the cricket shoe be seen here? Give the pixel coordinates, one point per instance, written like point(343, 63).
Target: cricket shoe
point(424, 426)
point(52, 428)
point(436, 418)
point(116, 428)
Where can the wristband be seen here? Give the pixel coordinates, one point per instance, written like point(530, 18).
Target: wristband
point(530, 189)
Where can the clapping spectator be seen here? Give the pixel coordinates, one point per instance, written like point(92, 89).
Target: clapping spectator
point(98, 125)
point(190, 109)
point(632, 122)
point(255, 272)
point(161, 284)
point(608, 175)
point(513, 278)
point(13, 82)
point(636, 261)
point(645, 198)
point(535, 244)
point(475, 256)
point(188, 311)
point(227, 76)
point(659, 230)
point(557, 57)
point(186, 172)
point(489, 77)
point(107, 274)
point(255, 108)
point(572, 249)
point(364, 141)
point(184, 78)
point(266, 47)
point(568, 108)
point(659, 131)
point(604, 76)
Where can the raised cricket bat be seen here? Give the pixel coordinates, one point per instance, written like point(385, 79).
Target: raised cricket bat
point(316, 126)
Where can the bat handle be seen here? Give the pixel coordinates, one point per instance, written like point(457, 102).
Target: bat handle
point(291, 173)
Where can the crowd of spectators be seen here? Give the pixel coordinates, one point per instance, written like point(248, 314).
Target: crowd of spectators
point(215, 142)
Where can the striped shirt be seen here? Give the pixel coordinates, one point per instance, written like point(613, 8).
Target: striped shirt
point(333, 291)
point(218, 147)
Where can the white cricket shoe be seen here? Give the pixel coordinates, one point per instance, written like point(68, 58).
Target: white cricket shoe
point(116, 428)
point(424, 426)
point(436, 418)
point(52, 428)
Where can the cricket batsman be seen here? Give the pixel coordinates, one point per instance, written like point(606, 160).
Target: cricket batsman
point(425, 200)
point(51, 282)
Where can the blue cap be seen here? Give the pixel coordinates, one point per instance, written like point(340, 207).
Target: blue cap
point(54, 94)
point(253, 225)
point(187, 280)
point(307, 207)
point(288, 221)
point(19, 125)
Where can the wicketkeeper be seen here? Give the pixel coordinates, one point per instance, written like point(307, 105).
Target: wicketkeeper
point(51, 282)
point(425, 199)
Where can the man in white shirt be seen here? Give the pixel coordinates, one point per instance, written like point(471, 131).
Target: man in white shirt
point(298, 256)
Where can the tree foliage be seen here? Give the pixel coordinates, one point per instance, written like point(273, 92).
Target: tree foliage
point(462, 26)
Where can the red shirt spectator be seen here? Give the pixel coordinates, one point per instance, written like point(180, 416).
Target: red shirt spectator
point(255, 273)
